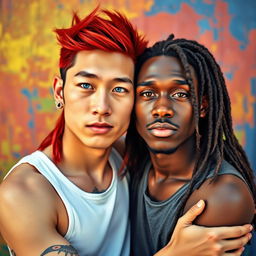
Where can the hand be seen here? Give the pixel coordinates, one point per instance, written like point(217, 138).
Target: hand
point(188, 239)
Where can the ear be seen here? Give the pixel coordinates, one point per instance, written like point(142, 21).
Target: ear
point(58, 89)
point(204, 107)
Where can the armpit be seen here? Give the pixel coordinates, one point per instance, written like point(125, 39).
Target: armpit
point(228, 202)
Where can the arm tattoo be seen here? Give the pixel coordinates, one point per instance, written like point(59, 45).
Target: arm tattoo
point(67, 249)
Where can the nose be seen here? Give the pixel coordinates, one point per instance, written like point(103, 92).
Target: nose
point(162, 108)
point(101, 103)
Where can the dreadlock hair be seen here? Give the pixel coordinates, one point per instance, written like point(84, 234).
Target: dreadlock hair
point(111, 34)
point(214, 135)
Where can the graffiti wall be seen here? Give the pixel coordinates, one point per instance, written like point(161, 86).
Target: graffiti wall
point(29, 59)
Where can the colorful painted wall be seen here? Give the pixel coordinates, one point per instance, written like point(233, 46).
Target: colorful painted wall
point(29, 58)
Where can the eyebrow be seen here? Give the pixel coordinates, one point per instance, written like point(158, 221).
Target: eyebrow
point(91, 75)
point(151, 82)
point(146, 83)
point(181, 81)
point(86, 74)
point(123, 80)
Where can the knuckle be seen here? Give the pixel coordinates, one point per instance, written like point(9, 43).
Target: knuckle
point(212, 236)
point(180, 220)
point(217, 249)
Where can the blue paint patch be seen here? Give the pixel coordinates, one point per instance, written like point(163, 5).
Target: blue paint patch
point(51, 90)
point(35, 92)
point(25, 92)
point(250, 132)
point(204, 9)
point(31, 124)
point(16, 155)
point(30, 97)
point(204, 25)
point(216, 34)
point(249, 146)
point(30, 109)
point(253, 87)
point(229, 75)
point(242, 19)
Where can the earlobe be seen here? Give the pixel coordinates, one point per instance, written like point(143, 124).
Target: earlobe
point(204, 107)
point(203, 112)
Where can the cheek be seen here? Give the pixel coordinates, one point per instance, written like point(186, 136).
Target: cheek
point(142, 112)
point(124, 110)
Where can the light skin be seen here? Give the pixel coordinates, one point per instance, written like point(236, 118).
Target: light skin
point(93, 93)
point(164, 119)
point(92, 96)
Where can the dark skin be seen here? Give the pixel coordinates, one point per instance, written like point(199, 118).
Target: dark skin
point(163, 94)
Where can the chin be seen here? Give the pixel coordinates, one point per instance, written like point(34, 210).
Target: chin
point(166, 151)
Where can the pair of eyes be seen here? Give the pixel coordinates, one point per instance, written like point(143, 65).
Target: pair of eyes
point(118, 89)
point(177, 94)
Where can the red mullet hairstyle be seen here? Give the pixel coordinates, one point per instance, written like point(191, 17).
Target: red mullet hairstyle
point(112, 34)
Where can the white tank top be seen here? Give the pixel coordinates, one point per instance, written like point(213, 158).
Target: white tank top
point(98, 223)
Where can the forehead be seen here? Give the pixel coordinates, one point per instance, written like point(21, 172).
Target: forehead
point(163, 67)
point(104, 64)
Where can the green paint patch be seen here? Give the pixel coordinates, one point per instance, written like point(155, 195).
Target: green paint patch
point(46, 105)
point(4, 250)
point(240, 136)
point(16, 148)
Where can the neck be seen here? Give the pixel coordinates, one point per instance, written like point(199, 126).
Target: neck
point(177, 165)
point(79, 159)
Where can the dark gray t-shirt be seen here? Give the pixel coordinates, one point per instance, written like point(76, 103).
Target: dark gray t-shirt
point(151, 221)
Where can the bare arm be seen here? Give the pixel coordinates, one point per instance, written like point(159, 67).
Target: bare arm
point(29, 215)
point(228, 202)
point(192, 240)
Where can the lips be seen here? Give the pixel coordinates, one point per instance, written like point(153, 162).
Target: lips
point(162, 129)
point(100, 127)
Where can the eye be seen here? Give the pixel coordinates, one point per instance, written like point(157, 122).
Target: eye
point(120, 89)
point(86, 85)
point(147, 94)
point(182, 94)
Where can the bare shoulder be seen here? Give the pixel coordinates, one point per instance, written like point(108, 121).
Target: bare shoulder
point(228, 202)
point(27, 201)
point(24, 181)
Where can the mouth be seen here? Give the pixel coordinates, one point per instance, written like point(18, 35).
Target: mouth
point(162, 130)
point(99, 127)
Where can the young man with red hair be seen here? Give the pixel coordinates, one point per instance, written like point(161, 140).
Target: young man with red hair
point(67, 198)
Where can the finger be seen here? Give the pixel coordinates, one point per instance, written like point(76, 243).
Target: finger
point(192, 213)
point(235, 253)
point(231, 232)
point(236, 243)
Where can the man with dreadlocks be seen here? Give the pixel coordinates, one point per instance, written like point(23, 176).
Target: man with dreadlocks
point(181, 148)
